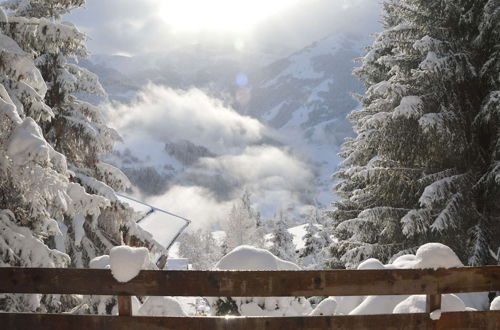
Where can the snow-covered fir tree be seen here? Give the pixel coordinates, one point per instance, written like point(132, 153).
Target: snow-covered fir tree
point(241, 225)
point(75, 128)
point(35, 188)
point(58, 203)
point(316, 242)
point(424, 165)
point(282, 239)
point(200, 248)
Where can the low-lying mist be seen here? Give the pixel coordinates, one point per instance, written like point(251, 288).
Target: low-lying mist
point(210, 155)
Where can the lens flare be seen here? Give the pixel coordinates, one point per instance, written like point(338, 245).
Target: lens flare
point(241, 79)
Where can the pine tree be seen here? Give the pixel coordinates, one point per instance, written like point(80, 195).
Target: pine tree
point(58, 206)
point(200, 248)
point(75, 128)
point(241, 226)
point(35, 190)
point(424, 164)
point(282, 239)
point(316, 242)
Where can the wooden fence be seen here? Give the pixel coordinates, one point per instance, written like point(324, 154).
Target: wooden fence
point(430, 282)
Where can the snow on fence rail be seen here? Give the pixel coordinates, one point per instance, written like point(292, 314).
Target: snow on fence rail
point(431, 282)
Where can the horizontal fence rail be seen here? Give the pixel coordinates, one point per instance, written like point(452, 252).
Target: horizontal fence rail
point(252, 283)
point(484, 320)
point(430, 282)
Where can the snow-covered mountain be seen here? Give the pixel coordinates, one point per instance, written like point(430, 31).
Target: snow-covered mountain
point(306, 97)
point(302, 99)
point(310, 89)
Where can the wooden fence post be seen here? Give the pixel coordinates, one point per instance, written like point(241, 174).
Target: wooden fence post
point(124, 306)
point(432, 302)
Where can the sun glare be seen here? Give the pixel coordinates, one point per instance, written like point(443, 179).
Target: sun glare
point(225, 15)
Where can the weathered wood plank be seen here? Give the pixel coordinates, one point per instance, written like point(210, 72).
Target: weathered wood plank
point(487, 320)
point(483, 320)
point(252, 283)
point(56, 322)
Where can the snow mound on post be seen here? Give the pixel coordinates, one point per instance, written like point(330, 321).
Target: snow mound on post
point(495, 304)
point(126, 262)
point(161, 306)
point(436, 255)
point(247, 257)
point(435, 315)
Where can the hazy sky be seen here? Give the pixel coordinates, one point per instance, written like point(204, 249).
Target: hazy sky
point(132, 27)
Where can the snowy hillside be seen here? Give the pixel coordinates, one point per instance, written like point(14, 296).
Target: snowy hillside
point(306, 97)
point(310, 89)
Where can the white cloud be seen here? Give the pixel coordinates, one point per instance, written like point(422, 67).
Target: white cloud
point(166, 114)
point(205, 190)
point(263, 168)
point(276, 178)
point(195, 203)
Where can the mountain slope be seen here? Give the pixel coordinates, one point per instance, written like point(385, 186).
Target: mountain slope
point(306, 97)
point(310, 90)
